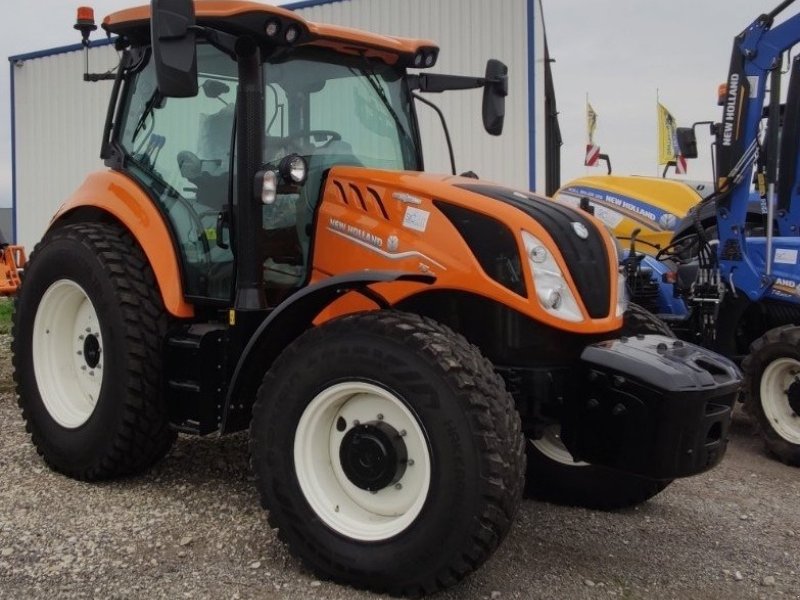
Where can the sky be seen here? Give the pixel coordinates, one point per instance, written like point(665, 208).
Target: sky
point(619, 52)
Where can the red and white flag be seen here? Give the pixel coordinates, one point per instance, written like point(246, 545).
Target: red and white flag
point(592, 155)
point(680, 164)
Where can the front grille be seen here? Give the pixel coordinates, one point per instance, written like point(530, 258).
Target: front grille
point(491, 242)
point(587, 260)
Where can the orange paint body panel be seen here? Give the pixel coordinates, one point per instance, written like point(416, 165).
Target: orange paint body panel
point(121, 197)
point(333, 34)
point(365, 223)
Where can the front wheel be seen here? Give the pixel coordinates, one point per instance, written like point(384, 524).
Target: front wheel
point(388, 453)
point(554, 476)
point(772, 390)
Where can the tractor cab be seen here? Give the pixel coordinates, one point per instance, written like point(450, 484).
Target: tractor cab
point(324, 96)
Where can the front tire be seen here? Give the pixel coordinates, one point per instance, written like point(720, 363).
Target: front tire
point(554, 476)
point(388, 453)
point(87, 333)
point(772, 390)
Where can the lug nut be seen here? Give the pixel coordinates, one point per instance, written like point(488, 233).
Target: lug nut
point(380, 417)
point(410, 461)
point(398, 486)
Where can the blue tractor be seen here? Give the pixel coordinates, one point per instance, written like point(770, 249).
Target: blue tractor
point(729, 281)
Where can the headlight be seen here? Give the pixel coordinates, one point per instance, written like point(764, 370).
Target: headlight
point(269, 187)
point(294, 168)
point(272, 27)
point(552, 289)
point(622, 288)
point(292, 33)
point(622, 294)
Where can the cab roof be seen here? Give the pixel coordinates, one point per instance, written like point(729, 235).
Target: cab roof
point(244, 17)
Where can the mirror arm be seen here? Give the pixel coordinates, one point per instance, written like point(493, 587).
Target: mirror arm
point(224, 42)
point(444, 126)
point(436, 83)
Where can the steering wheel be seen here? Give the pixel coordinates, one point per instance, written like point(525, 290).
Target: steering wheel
point(304, 135)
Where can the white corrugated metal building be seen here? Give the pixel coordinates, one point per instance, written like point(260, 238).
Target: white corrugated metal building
point(56, 135)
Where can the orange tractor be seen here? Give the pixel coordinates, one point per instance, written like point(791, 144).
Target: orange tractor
point(265, 250)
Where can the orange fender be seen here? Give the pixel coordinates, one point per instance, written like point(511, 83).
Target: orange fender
point(119, 196)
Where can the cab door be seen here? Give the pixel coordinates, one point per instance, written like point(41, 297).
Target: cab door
point(180, 151)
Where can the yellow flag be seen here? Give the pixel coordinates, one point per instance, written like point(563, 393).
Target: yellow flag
point(666, 135)
point(591, 123)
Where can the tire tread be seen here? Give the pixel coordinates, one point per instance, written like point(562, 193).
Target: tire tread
point(495, 422)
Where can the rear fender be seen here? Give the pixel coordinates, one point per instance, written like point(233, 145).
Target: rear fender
point(120, 197)
point(286, 323)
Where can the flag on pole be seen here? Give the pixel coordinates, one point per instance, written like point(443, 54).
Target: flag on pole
point(592, 155)
point(668, 147)
point(666, 135)
point(591, 123)
point(592, 149)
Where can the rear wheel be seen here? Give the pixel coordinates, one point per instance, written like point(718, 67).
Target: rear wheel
point(388, 453)
point(554, 476)
point(772, 390)
point(88, 326)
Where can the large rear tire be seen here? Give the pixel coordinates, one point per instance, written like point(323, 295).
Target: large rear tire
point(88, 328)
point(772, 390)
point(554, 476)
point(388, 453)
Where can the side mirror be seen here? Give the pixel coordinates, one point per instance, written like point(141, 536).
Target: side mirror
point(494, 96)
point(687, 141)
point(174, 49)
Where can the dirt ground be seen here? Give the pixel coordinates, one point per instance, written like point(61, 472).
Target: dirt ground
point(192, 528)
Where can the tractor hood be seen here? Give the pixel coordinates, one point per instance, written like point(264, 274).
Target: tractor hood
point(552, 262)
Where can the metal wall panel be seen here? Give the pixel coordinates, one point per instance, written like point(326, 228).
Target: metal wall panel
point(58, 124)
point(58, 118)
point(468, 32)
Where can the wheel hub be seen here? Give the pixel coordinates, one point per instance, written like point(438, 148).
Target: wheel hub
point(91, 350)
point(373, 456)
point(793, 395)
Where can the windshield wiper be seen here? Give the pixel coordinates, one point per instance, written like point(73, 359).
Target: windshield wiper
point(372, 78)
point(155, 99)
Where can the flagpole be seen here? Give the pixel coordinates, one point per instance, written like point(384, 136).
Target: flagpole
point(658, 101)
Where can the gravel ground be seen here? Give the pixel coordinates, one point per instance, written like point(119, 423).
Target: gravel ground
point(192, 528)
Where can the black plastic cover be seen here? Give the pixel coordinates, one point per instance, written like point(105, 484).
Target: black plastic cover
point(651, 405)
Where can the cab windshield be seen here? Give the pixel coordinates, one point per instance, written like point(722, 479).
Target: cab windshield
point(338, 109)
point(333, 110)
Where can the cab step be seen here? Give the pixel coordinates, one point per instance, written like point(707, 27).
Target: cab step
point(195, 377)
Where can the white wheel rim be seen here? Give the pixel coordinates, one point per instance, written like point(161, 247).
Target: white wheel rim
point(775, 382)
point(344, 507)
point(68, 377)
point(552, 447)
